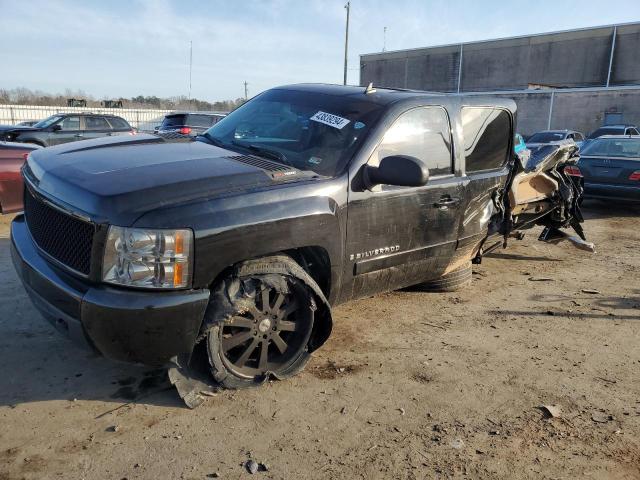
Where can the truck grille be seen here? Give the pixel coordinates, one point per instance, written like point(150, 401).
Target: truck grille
point(65, 238)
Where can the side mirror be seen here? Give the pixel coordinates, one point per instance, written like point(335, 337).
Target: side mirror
point(56, 128)
point(398, 170)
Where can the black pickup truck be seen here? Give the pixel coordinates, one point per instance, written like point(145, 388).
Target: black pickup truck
point(238, 243)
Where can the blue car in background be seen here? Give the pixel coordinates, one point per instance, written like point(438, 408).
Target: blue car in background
point(519, 144)
point(610, 166)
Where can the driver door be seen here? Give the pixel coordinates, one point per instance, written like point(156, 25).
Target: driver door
point(69, 131)
point(402, 236)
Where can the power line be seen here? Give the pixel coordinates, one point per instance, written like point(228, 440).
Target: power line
point(190, 66)
point(346, 42)
point(384, 41)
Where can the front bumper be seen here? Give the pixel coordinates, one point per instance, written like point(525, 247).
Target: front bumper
point(121, 324)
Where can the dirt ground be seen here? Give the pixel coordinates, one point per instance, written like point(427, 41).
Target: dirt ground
point(411, 385)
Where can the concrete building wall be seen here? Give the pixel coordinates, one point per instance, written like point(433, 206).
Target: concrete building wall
point(586, 110)
point(577, 58)
point(583, 110)
point(626, 57)
point(435, 69)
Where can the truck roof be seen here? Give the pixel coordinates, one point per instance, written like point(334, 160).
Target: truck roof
point(387, 96)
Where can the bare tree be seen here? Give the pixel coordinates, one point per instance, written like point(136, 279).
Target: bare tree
point(25, 96)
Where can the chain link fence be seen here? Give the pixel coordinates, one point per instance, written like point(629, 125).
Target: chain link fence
point(143, 119)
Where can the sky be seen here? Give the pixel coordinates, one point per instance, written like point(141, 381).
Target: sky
point(125, 48)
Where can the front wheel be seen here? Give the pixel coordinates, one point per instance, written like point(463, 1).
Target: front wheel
point(263, 328)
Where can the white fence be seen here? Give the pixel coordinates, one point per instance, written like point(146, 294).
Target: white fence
point(140, 118)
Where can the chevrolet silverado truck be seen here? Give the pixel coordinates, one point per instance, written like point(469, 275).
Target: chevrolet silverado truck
point(230, 250)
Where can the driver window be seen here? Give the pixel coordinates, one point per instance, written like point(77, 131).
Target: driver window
point(71, 123)
point(423, 133)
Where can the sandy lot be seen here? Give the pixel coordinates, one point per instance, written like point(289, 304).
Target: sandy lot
point(411, 385)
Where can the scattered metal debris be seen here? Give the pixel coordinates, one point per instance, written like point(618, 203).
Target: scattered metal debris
point(458, 443)
point(601, 417)
point(433, 325)
point(251, 466)
point(192, 385)
point(551, 411)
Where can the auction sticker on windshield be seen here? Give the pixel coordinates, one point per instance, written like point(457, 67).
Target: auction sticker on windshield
point(329, 119)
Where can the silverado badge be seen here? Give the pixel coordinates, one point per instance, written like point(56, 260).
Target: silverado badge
point(374, 253)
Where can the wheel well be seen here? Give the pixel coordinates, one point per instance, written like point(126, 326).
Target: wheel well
point(316, 262)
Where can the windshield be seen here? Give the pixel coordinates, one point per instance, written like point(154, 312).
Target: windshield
point(307, 130)
point(545, 137)
point(610, 147)
point(48, 121)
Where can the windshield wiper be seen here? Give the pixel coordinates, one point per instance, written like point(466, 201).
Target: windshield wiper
point(213, 140)
point(264, 151)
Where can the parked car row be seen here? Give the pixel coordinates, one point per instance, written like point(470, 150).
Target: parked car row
point(549, 136)
point(67, 127)
point(609, 165)
point(16, 141)
point(610, 168)
point(72, 127)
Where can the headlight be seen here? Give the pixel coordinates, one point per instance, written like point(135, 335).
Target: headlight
point(139, 257)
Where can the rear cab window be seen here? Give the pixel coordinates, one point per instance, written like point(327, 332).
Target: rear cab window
point(423, 133)
point(487, 137)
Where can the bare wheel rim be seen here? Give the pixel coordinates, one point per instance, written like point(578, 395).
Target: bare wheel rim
point(268, 336)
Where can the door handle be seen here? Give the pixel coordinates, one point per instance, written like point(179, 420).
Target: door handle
point(446, 201)
point(79, 135)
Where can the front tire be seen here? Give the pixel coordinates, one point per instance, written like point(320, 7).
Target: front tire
point(263, 327)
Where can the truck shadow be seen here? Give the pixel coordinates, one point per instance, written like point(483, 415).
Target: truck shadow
point(39, 364)
point(554, 313)
point(599, 307)
point(528, 258)
point(630, 302)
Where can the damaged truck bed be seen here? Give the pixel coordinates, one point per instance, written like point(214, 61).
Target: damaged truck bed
point(222, 257)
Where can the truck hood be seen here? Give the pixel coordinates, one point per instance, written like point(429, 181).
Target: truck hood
point(116, 180)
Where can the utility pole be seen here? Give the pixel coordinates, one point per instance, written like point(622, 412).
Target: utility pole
point(384, 41)
point(346, 42)
point(246, 91)
point(190, 66)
